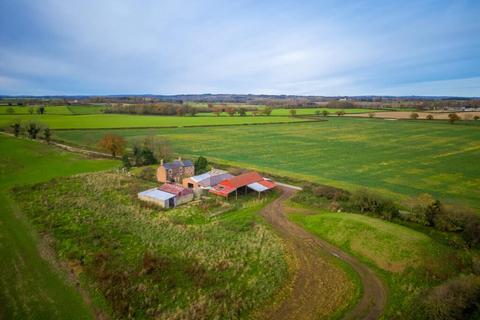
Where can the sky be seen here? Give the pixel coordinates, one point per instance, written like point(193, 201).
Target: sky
point(322, 47)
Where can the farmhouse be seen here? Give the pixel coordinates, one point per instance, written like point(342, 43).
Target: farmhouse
point(168, 195)
point(206, 180)
point(250, 180)
point(175, 171)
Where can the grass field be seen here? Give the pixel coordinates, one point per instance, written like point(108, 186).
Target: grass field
point(55, 110)
point(300, 111)
point(409, 261)
point(136, 121)
point(397, 158)
point(61, 110)
point(192, 262)
point(29, 287)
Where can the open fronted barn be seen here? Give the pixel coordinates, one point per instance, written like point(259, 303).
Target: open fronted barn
point(243, 183)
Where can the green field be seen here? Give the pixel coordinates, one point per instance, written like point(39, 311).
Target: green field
point(29, 287)
point(397, 158)
point(86, 109)
point(299, 111)
point(192, 262)
point(55, 110)
point(61, 110)
point(409, 261)
point(98, 121)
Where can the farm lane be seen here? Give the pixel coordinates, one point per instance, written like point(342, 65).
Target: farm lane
point(308, 295)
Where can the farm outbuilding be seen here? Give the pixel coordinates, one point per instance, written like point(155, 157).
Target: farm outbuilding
point(168, 195)
point(206, 180)
point(242, 183)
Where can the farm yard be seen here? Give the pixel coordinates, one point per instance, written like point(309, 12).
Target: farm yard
point(396, 158)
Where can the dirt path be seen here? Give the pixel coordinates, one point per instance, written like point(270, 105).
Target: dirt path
point(307, 295)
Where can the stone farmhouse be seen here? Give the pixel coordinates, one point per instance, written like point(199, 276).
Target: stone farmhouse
point(175, 171)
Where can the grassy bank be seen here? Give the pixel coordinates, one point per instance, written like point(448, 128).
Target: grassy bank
point(30, 288)
point(409, 261)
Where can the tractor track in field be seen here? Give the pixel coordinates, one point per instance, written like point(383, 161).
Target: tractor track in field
point(304, 301)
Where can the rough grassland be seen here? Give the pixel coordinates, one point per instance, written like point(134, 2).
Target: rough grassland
point(409, 261)
point(185, 263)
point(135, 121)
point(392, 157)
point(29, 287)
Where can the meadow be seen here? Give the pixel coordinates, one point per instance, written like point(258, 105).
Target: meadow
point(97, 121)
point(208, 261)
point(30, 288)
point(409, 261)
point(396, 158)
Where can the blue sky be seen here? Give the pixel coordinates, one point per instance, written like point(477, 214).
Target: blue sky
point(318, 47)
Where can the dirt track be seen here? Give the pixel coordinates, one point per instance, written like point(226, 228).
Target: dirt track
point(308, 296)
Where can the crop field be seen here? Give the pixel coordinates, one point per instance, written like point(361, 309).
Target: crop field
point(192, 262)
point(409, 261)
point(397, 158)
point(29, 287)
point(98, 121)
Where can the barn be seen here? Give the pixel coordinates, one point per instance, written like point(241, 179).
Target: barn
point(206, 180)
point(243, 183)
point(168, 195)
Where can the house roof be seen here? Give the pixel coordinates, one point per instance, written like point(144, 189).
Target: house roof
point(177, 164)
point(211, 178)
point(156, 194)
point(175, 189)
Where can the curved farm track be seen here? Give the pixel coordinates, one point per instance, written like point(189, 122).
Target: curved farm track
point(313, 292)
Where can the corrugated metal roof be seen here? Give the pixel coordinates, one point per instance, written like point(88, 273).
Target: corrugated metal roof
point(175, 189)
point(257, 187)
point(156, 194)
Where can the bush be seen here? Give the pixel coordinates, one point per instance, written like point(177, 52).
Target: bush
point(456, 299)
point(369, 202)
point(147, 173)
point(414, 116)
point(331, 193)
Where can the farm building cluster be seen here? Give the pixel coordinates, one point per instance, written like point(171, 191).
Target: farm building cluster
point(180, 185)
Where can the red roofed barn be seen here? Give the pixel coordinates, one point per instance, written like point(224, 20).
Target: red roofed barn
point(244, 182)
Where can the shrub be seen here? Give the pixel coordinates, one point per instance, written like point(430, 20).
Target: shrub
point(147, 173)
point(414, 116)
point(369, 202)
point(476, 118)
point(455, 299)
point(10, 110)
point(429, 117)
point(330, 193)
point(32, 129)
